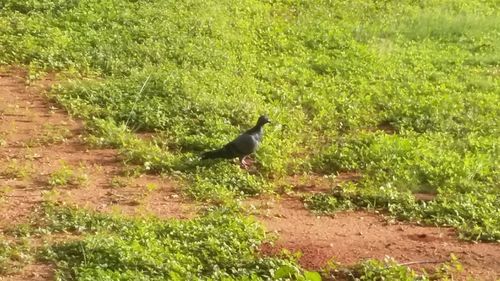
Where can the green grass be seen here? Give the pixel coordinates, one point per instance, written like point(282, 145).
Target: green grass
point(220, 245)
point(50, 134)
point(389, 269)
point(474, 214)
point(403, 92)
point(14, 254)
point(66, 175)
point(20, 170)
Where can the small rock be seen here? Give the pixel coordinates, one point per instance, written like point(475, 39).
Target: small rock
point(134, 203)
point(422, 235)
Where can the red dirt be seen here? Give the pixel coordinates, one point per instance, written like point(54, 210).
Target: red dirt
point(31, 148)
point(350, 237)
point(24, 113)
point(315, 183)
point(33, 272)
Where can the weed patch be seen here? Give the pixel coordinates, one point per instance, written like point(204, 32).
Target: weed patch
point(18, 170)
point(66, 175)
point(219, 245)
point(50, 134)
point(448, 208)
point(391, 270)
point(14, 255)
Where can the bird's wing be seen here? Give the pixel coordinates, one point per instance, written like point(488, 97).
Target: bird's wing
point(243, 145)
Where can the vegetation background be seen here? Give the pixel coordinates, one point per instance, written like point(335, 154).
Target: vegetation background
point(405, 93)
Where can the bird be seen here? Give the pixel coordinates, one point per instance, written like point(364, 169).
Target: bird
point(242, 146)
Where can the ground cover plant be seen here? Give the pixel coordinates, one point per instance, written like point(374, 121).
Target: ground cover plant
point(219, 245)
point(474, 214)
point(410, 101)
point(389, 269)
point(13, 254)
point(405, 93)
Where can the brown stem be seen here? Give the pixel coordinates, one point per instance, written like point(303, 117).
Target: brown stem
point(422, 262)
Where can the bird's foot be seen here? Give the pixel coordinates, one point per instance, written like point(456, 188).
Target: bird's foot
point(243, 164)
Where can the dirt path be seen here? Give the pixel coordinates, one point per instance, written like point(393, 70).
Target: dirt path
point(37, 139)
point(349, 237)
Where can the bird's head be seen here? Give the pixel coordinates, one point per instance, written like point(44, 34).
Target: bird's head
point(263, 119)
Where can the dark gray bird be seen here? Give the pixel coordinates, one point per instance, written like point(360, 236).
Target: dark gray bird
point(244, 145)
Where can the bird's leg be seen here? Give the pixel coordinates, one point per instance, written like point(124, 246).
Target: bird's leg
point(243, 164)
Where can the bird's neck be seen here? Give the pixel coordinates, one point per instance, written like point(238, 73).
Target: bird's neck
point(257, 129)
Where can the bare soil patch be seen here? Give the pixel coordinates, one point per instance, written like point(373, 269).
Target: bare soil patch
point(33, 272)
point(350, 237)
point(316, 183)
point(38, 139)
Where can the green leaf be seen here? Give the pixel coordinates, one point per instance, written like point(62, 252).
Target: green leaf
point(284, 271)
point(312, 276)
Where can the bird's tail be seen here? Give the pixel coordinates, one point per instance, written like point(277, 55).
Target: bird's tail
point(218, 153)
